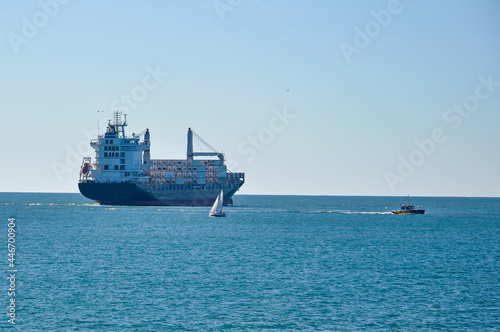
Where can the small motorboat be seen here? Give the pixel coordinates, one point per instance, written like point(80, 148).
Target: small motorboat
point(409, 209)
point(216, 210)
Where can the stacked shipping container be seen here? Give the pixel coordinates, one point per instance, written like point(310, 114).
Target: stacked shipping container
point(187, 171)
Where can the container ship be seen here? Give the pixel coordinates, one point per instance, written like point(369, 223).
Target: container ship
point(123, 172)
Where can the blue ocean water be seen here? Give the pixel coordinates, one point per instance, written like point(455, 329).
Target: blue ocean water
point(275, 263)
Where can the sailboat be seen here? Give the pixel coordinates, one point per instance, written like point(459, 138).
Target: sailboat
point(216, 210)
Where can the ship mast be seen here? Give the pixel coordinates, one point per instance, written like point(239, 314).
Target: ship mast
point(118, 124)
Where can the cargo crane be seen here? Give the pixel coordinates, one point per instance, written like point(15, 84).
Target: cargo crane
point(191, 154)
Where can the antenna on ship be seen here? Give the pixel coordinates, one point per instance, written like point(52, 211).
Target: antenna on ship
point(98, 122)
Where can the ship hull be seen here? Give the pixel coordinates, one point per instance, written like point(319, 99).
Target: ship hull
point(131, 194)
point(409, 212)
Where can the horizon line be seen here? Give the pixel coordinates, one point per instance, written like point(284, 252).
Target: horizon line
point(311, 195)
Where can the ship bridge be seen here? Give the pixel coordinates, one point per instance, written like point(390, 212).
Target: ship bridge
point(119, 157)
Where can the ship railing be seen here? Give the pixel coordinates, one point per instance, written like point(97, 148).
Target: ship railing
point(112, 181)
point(174, 187)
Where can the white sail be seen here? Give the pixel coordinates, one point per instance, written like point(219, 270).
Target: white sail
point(217, 207)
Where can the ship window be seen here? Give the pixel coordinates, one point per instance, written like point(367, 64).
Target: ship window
point(105, 155)
point(110, 141)
point(106, 167)
point(123, 154)
point(116, 167)
point(107, 141)
point(122, 161)
point(122, 167)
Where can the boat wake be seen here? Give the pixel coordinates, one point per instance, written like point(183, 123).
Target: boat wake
point(247, 210)
point(361, 212)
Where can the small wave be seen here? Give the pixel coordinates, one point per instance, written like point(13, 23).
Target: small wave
point(84, 204)
point(40, 204)
point(58, 204)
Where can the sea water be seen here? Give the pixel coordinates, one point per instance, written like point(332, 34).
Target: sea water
point(275, 263)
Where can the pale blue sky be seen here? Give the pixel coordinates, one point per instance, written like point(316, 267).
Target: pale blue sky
point(353, 120)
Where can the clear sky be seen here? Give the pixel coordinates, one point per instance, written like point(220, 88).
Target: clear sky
point(305, 97)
